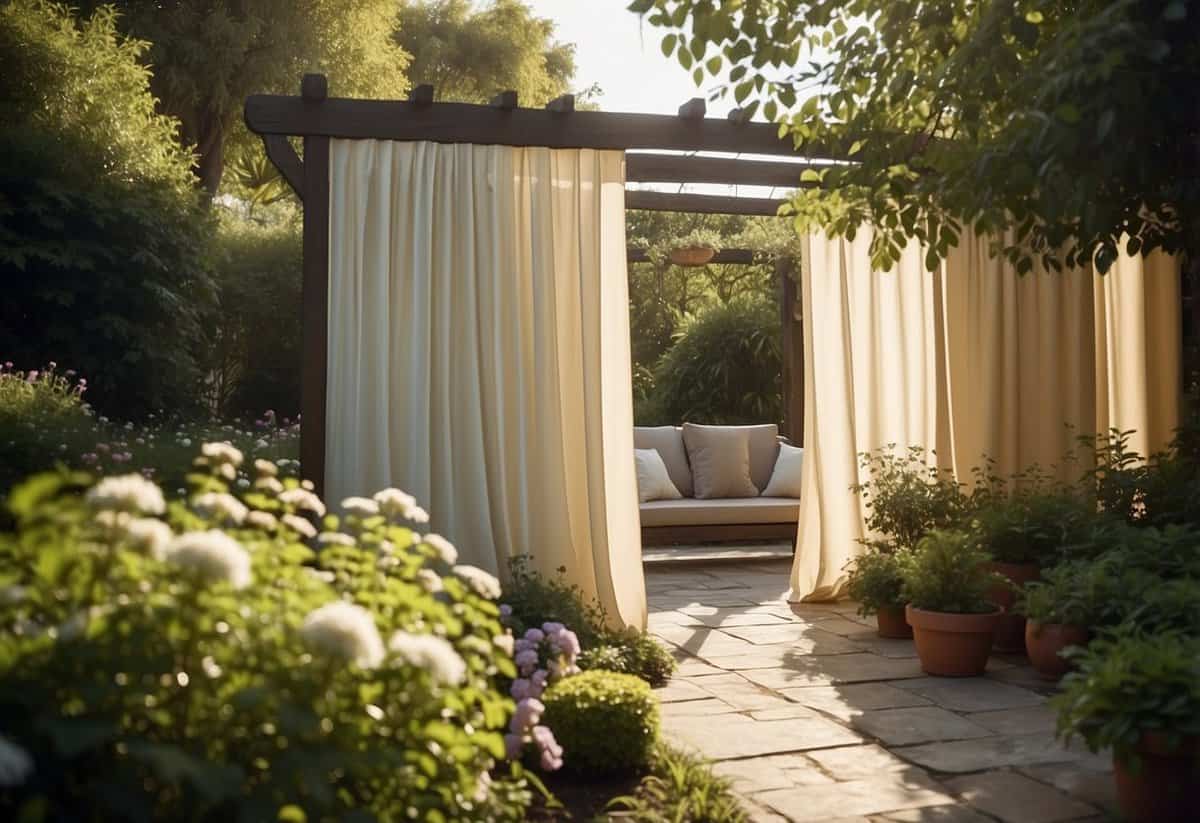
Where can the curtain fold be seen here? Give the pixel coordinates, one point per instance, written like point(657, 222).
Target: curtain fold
point(970, 360)
point(479, 352)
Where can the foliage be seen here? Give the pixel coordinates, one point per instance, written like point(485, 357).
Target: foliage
point(1076, 593)
point(44, 422)
point(1163, 489)
point(680, 787)
point(253, 339)
point(533, 599)
point(209, 56)
point(963, 116)
point(905, 497)
point(632, 652)
point(724, 368)
point(102, 240)
point(946, 573)
point(606, 722)
point(1128, 683)
point(874, 581)
point(195, 658)
point(469, 54)
point(1029, 526)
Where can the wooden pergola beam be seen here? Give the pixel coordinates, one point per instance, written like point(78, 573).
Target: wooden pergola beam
point(701, 203)
point(682, 168)
point(467, 123)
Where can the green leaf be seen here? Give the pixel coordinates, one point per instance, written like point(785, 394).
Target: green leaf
point(1067, 112)
point(1175, 11)
point(810, 176)
point(292, 814)
point(668, 45)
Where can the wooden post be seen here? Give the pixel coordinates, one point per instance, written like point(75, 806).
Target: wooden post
point(792, 350)
point(315, 302)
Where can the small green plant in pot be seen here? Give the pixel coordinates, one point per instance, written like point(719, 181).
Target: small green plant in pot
point(1138, 694)
point(946, 583)
point(874, 581)
point(1061, 608)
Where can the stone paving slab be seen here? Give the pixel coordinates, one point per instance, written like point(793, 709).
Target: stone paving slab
point(728, 736)
point(856, 797)
point(1014, 798)
point(816, 718)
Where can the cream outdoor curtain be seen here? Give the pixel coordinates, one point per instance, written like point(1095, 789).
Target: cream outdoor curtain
point(479, 352)
point(971, 360)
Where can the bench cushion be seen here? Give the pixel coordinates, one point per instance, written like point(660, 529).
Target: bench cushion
point(736, 510)
point(668, 442)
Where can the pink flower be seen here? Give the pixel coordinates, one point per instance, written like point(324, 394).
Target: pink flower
point(529, 712)
point(551, 752)
point(538, 681)
point(32, 376)
point(526, 660)
point(535, 635)
point(522, 689)
point(513, 746)
point(505, 610)
point(552, 628)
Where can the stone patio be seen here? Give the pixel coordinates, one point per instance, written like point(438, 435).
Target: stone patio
point(815, 718)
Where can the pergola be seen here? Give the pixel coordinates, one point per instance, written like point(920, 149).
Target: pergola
point(316, 118)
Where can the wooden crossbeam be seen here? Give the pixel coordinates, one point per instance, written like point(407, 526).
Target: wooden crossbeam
point(701, 203)
point(694, 109)
point(505, 100)
point(421, 95)
point(677, 168)
point(564, 104)
point(283, 156)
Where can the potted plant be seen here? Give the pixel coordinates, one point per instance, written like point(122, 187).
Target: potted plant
point(874, 581)
point(1021, 533)
point(946, 583)
point(1060, 609)
point(1139, 695)
point(696, 248)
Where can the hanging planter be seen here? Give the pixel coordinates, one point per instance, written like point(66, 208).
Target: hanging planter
point(692, 255)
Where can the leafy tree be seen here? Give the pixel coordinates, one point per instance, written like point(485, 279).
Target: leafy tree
point(470, 54)
point(102, 238)
point(1064, 128)
point(208, 55)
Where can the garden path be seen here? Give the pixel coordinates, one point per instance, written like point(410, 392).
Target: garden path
point(815, 718)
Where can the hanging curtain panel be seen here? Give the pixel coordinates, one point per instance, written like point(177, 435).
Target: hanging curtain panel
point(968, 361)
point(479, 352)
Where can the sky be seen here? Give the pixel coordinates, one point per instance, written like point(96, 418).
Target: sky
point(615, 49)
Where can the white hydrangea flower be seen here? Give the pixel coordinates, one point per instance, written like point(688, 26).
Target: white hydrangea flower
point(222, 453)
point(265, 468)
point(227, 471)
point(15, 764)
point(399, 505)
point(431, 653)
point(268, 484)
point(505, 643)
point(344, 631)
point(213, 555)
point(360, 506)
point(299, 525)
point(304, 500)
point(444, 547)
point(430, 580)
point(262, 520)
point(484, 583)
point(224, 508)
point(127, 492)
point(335, 539)
point(149, 536)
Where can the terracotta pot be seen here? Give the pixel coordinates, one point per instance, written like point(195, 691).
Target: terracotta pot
point(952, 645)
point(1044, 642)
point(1162, 789)
point(892, 623)
point(1010, 633)
point(692, 255)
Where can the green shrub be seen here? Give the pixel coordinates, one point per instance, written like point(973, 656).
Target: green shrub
point(606, 722)
point(253, 344)
point(104, 241)
point(906, 498)
point(725, 367)
point(1078, 593)
point(166, 659)
point(946, 573)
point(874, 581)
point(632, 652)
point(680, 787)
point(1029, 527)
point(1127, 683)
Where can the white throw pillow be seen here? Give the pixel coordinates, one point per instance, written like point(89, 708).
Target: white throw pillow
point(653, 481)
point(785, 480)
